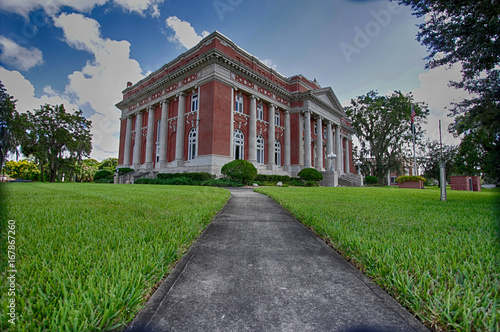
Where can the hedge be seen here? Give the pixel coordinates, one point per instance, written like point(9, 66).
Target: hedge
point(310, 174)
point(196, 177)
point(409, 178)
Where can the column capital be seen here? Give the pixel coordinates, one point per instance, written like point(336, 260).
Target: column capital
point(306, 111)
point(165, 101)
point(181, 94)
point(273, 106)
point(254, 97)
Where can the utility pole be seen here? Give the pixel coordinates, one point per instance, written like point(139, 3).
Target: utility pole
point(442, 168)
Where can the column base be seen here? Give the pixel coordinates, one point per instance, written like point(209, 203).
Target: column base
point(161, 164)
point(177, 163)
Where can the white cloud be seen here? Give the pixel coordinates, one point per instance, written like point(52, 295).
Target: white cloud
point(438, 95)
point(19, 57)
point(23, 91)
point(99, 83)
point(52, 7)
point(184, 32)
point(96, 87)
point(269, 63)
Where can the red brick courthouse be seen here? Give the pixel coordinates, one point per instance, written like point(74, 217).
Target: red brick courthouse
point(216, 103)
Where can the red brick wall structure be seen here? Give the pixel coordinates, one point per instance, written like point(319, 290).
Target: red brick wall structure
point(465, 183)
point(410, 182)
point(189, 117)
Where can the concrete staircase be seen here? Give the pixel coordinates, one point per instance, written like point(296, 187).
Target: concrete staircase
point(350, 180)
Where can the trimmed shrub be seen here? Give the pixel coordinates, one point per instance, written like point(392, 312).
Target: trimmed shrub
point(195, 177)
point(223, 182)
point(409, 178)
point(104, 181)
point(311, 184)
point(240, 170)
point(124, 170)
point(103, 174)
point(181, 181)
point(310, 174)
point(371, 179)
point(148, 181)
point(272, 178)
point(296, 182)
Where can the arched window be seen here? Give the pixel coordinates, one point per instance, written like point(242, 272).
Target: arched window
point(277, 152)
point(192, 144)
point(239, 144)
point(260, 149)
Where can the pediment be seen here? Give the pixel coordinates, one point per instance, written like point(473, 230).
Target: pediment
point(327, 96)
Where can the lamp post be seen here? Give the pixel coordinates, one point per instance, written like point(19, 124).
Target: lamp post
point(331, 156)
point(358, 165)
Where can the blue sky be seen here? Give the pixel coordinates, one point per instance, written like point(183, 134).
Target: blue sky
point(82, 53)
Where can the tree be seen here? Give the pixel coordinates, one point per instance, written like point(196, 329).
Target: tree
point(383, 126)
point(55, 137)
point(468, 33)
point(8, 124)
point(432, 156)
point(109, 164)
point(23, 169)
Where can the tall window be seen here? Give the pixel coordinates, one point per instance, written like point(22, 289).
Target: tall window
point(277, 152)
point(315, 129)
point(277, 119)
point(324, 132)
point(192, 144)
point(260, 112)
point(238, 103)
point(239, 144)
point(194, 102)
point(260, 149)
point(158, 123)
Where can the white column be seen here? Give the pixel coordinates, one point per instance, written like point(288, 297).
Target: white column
point(271, 138)
point(252, 131)
point(301, 139)
point(149, 139)
point(288, 148)
point(319, 143)
point(231, 127)
point(163, 134)
point(329, 144)
point(347, 161)
point(338, 149)
point(307, 139)
point(181, 124)
point(128, 142)
point(138, 141)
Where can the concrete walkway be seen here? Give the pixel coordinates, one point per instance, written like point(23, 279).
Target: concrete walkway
point(256, 268)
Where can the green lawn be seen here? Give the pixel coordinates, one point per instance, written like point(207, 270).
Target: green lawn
point(439, 259)
point(88, 255)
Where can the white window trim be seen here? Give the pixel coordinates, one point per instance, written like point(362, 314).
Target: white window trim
point(277, 152)
point(260, 112)
point(195, 102)
point(239, 142)
point(260, 149)
point(192, 144)
point(238, 104)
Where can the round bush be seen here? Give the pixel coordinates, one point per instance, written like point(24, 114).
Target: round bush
point(103, 174)
point(310, 174)
point(371, 179)
point(240, 170)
